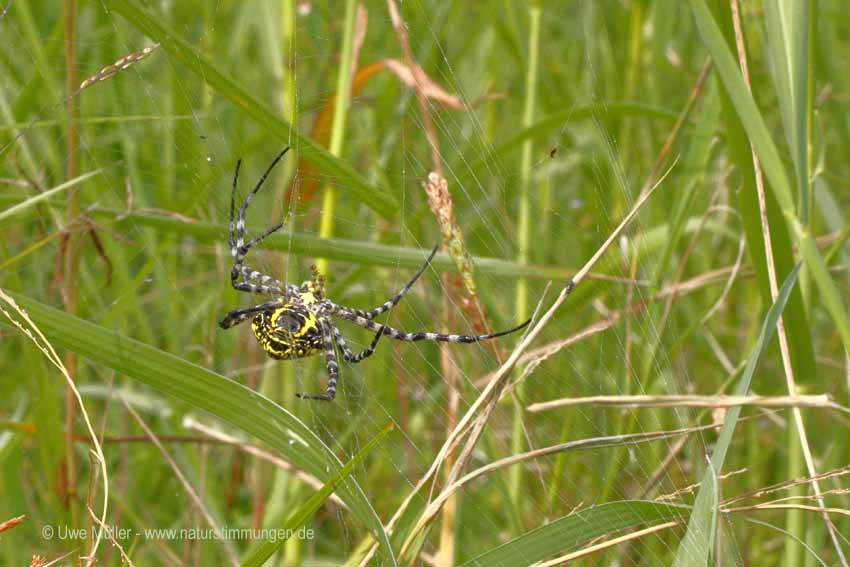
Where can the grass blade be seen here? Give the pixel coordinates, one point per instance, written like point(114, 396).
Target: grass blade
point(744, 104)
point(695, 546)
point(828, 291)
point(308, 508)
point(229, 401)
point(763, 145)
point(23, 205)
point(368, 253)
point(378, 198)
point(788, 40)
point(575, 530)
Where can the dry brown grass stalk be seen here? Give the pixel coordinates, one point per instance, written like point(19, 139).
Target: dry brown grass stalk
point(33, 333)
point(790, 379)
point(694, 401)
point(477, 415)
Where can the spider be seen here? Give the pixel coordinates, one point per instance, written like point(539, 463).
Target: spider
point(299, 321)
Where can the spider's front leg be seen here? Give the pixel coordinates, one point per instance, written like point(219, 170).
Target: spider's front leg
point(239, 315)
point(253, 281)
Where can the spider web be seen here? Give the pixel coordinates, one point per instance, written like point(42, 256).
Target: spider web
point(172, 144)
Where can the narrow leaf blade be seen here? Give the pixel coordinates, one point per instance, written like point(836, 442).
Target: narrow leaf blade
point(379, 199)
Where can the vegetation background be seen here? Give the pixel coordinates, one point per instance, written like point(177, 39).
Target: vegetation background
point(548, 121)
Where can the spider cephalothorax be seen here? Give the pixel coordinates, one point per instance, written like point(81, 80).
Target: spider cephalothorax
point(299, 322)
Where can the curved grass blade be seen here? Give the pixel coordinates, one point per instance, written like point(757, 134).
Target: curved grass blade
point(308, 508)
point(788, 39)
point(379, 199)
point(744, 103)
point(575, 530)
point(812, 552)
point(739, 150)
point(27, 203)
point(227, 400)
point(762, 143)
point(695, 546)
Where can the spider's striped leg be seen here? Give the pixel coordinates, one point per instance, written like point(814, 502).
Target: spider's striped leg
point(238, 237)
point(231, 235)
point(347, 354)
point(392, 302)
point(238, 247)
point(255, 281)
point(267, 284)
point(423, 336)
point(249, 287)
point(330, 363)
point(238, 315)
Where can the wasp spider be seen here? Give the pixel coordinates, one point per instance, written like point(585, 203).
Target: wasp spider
point(299, 320)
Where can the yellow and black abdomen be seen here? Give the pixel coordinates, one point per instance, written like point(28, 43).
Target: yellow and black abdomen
point(290, 331)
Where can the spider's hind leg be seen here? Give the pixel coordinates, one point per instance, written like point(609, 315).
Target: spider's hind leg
point(400, 335)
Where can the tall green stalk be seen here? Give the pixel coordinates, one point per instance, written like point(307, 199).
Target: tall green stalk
point(286, 484)
point(341, 104)
point(794, 520)
point(523, 225)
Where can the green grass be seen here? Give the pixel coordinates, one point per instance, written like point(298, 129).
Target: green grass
point(570, 106)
